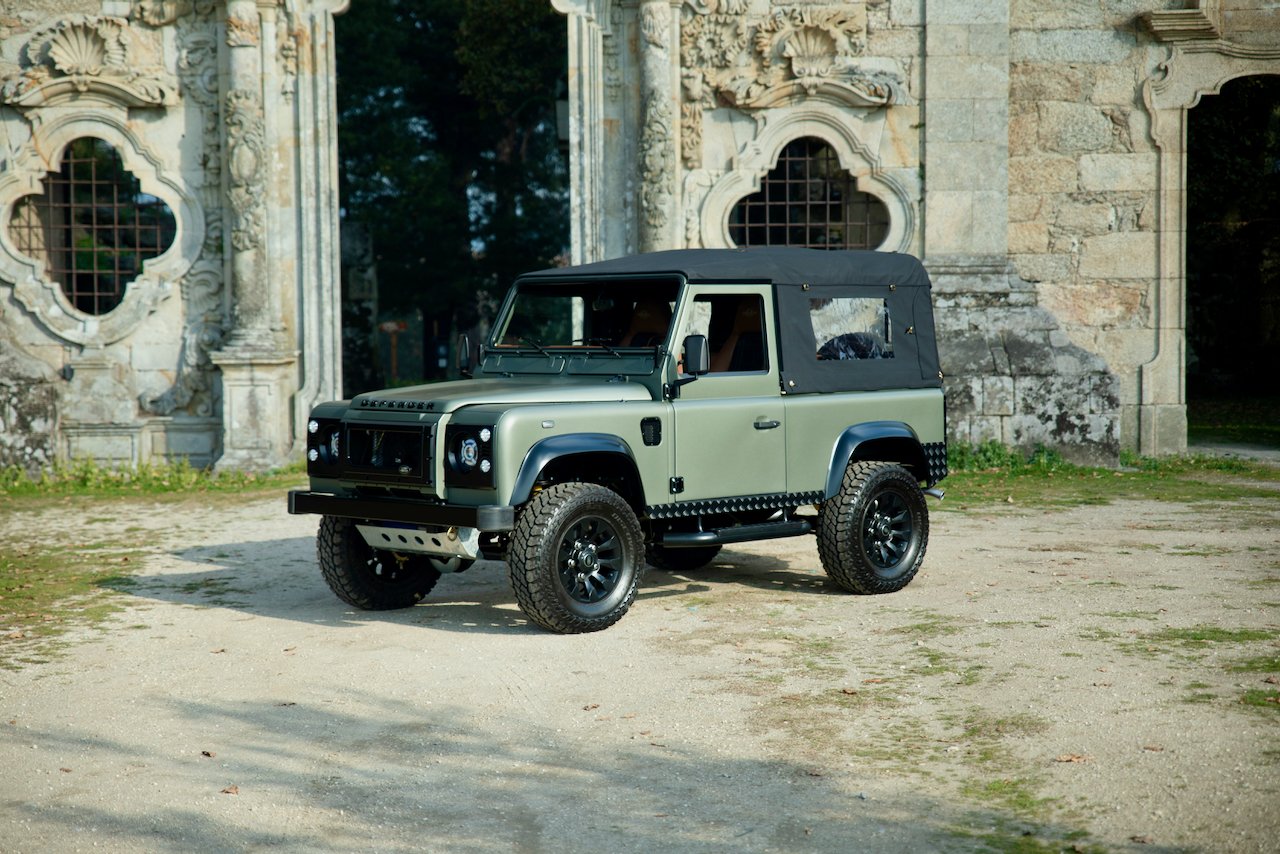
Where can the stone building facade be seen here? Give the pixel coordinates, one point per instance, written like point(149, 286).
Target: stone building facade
point(1031, 152)
point(168, 228)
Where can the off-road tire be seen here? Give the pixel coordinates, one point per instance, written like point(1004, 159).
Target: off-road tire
point(680, 560)
point(576, 558)
point(872, 534)
point(368, 578)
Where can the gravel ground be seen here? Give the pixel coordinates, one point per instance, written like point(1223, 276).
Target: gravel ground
point(1051, 680)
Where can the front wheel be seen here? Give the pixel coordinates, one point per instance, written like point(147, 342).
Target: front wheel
point(872, 534)
point(576, 558)
point(368, 578)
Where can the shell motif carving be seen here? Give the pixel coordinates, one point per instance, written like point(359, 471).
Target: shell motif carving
point(793, 51)
point(80, 50)
point(83, 53)
point(812, 52)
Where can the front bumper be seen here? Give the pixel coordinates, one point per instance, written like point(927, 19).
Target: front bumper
point(489, 517)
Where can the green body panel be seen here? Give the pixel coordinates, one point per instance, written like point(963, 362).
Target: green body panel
point(518, 429)
point(719, 450)
point(815, 422)
point(722, 435)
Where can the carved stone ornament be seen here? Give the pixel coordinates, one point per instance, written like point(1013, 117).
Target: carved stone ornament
point(656, 162)
point(794, 52)
point(193, 390)
point(83, 55)
point(160, 13)
point(246, 153)
point(242, 32)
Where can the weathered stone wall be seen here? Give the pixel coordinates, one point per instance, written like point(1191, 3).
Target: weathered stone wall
point(28, 410)
point(225, 112)
point(1082, 179)
point(1030, 151)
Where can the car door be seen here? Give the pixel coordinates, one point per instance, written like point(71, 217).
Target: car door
point(730, 438)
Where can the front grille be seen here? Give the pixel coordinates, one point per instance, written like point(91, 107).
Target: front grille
point(388, 453)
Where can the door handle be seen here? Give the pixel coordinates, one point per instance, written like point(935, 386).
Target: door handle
point(767, 425)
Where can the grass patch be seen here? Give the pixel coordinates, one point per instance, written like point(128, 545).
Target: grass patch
point(994, 474)
point(1258, 664)
point(1015, 794)
point(89, 478)
point(43, 592)
point(1021, 840)
point(1260, 698)
point(1200, 637)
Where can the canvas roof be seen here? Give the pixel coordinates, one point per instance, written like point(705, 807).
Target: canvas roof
point(779, 265)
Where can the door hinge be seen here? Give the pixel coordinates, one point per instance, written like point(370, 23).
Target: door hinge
point(677, 485)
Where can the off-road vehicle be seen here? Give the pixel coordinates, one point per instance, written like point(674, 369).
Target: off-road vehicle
point(652, 408)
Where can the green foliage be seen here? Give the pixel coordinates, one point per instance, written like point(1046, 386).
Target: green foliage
point(87, 477)
point(992, 473)
point(990, 456)
point(448, 144)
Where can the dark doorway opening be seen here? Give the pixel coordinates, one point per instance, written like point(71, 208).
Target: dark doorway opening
point(1233, 264)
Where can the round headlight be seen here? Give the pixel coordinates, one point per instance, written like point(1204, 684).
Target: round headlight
point(469, 452)
point(485, 434)
point(313, 425)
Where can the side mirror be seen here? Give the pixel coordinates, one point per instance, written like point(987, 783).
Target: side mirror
point(697, 361)
point(697, 358)
point(464, 355)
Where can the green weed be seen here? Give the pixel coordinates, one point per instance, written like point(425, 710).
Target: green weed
point(90, 478)
point(994, 474)
point(1268, 699)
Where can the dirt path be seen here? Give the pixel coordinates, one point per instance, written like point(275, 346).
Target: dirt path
point(1050, 680)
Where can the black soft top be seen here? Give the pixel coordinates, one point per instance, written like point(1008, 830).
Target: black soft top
point(777, 265)
point(801, 279)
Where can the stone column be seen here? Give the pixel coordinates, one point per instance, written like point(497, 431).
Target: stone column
point(658, 130)
point(586, 23)
point(258, 371)
point(966, 137)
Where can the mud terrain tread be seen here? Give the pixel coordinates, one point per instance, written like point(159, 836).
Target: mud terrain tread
point(838, 535)
point(342, 551)
point(535, 581)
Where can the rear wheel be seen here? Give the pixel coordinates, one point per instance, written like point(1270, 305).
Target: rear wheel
point(368, 578)
point(576, 557)
point(872, 534)
point(680, 560)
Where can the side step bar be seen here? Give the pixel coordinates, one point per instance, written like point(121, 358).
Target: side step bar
point(737, 534)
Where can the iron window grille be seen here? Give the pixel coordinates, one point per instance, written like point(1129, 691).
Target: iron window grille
point(93, 227)
point(809, 200)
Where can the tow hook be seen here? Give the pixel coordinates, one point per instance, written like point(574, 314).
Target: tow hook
point(935, 493)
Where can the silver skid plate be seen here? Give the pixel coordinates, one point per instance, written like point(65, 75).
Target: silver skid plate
point(441, 542)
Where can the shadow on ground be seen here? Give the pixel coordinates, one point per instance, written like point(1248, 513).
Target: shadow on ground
point(280, 578)
point(397, 775)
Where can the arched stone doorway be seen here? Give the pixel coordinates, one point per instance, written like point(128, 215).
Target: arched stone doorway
point(1233, 261)
point(1202, 60)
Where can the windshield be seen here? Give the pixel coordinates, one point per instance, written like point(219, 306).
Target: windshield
point(605, 314)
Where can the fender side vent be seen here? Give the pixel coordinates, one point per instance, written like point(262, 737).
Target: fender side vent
point(651, 430)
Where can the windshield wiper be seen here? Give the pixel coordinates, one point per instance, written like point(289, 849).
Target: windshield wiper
point(537, 345)
point(599, 342)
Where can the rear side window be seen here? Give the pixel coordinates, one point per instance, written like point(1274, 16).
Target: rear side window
point(851, 328)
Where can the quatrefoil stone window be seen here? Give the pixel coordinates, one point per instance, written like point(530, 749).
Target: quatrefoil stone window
point(93, 227)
